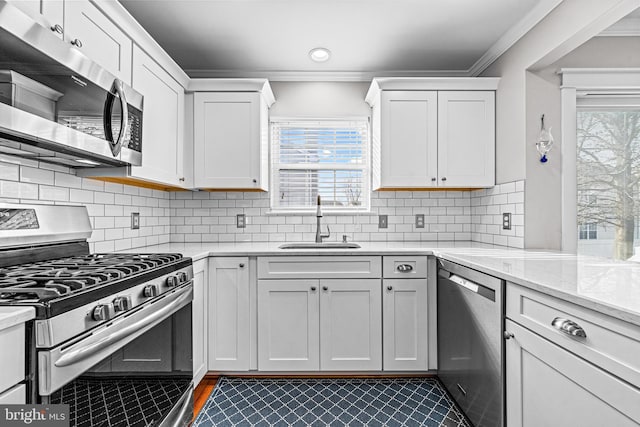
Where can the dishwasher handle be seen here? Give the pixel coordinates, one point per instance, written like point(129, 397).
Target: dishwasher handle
point(468, 284)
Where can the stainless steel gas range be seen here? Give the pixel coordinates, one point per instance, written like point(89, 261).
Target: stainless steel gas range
point(112, 335)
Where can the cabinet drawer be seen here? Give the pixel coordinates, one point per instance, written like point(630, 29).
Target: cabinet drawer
point(12, 356)
point(403, 267)
point(319, 267)
point(610, 343)
point(14, 396)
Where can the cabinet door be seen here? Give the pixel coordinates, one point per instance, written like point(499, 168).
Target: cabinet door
point(288, 325)
point(350, 325)
point(549, 386)
point(466, 139)
point(405, 336)
point(408, 146)
point(163, 123)
point(228, 314)
point(98, 38)
point(200, 281)
point(228, 144)
point(48, 13)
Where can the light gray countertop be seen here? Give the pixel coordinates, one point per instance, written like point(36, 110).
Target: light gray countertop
point(11, 316)
point(609, 287)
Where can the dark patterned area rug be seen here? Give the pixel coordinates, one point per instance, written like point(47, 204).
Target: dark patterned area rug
point(330, 402)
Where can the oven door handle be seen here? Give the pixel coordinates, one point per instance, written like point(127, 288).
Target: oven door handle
point(84, 351)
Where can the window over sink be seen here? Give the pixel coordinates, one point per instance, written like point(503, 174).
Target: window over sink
point(325, 157)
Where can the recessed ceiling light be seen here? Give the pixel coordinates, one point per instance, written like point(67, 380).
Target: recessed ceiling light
point(320, 54)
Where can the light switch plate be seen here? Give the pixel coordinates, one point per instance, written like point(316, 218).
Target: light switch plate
point(135, 220)
point(241, 221)
point(419, 220)
point(506, 221)
point(383, 221)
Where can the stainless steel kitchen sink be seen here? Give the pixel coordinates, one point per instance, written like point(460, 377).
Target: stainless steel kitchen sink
point(323, 245)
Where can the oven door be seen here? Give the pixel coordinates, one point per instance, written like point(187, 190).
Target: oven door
point(134, 371)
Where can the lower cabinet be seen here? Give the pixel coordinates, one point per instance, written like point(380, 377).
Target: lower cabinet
point(228, 314)
point(550, 386)
point(405, 324)
point(326, 324)
point(199, 325)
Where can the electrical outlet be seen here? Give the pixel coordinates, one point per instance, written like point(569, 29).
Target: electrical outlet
point(383, 221)
point(135, 220)
point(419, 220)
point(506, 221)
point(241, 221)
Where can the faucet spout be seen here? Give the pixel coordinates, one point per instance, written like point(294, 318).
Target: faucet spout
point(319, 235)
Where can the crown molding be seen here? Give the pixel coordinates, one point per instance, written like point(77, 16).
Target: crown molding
point(322, 76)
point(627, 27)
point(515, 33)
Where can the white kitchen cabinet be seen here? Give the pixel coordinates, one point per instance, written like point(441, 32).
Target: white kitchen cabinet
point(162, 125)
point(288, 325)
point(95, 35)
point(466, 138)
point(433, 132)
point(350, 325)
point(408, 139)
point(14, 396)
point(550, 386)
point(12, 357)
point(231, 139)
point(405, 325)
point(48, 13)
point(199, 323)
point(228, 314)
point(327, 324)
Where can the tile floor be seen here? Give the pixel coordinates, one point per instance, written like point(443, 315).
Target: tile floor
point(330, 402)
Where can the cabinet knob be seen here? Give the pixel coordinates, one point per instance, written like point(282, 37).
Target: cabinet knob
point(181, 179)
point(313, 289)
point(255, 181)
point(57, 28)
point(508, 335)
point(241, 265)
point(444, 178)
point(433, 179)
point(77, 43)
point(325, 288)
point(389, 288)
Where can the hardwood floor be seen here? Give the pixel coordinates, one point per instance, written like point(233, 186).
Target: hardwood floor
point(202, 392)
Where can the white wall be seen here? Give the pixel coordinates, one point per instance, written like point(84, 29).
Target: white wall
point(527, 90)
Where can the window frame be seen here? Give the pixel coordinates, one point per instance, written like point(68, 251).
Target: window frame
point(575, 82)
point(333, 210)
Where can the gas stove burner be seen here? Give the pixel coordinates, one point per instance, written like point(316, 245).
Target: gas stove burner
point(55, 278)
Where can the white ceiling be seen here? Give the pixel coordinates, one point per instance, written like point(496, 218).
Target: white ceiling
point(244, 38)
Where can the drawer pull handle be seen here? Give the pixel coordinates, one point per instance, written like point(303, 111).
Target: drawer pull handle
point(404, 268)
point(389, 288)
point(325, 288)
point(241, 265)
point(313, 289)
point(568, 327)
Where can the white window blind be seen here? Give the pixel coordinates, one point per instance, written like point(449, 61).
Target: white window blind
point(329, 158)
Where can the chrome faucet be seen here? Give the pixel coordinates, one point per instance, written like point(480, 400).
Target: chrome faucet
point(319, 235)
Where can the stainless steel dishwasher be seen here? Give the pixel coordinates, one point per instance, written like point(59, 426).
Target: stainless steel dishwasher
point(470, 341)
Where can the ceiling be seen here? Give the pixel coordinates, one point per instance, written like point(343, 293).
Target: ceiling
point(249, 38)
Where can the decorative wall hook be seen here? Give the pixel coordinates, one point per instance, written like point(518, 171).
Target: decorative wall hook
point(545, 141)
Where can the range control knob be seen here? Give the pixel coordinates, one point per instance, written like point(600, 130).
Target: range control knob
point(172, 281)
point(122, 303)
point(150, 291)
point(183, 277)
point(102, 312)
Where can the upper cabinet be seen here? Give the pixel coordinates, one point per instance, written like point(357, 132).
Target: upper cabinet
point(433, 132)
point(91, 31)
point(49, 13)
point(162, 125)
point(231, 133)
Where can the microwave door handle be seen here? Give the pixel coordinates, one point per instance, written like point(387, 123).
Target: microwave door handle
point(116, 145)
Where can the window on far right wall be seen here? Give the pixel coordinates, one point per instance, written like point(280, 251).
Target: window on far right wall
point(608, 180)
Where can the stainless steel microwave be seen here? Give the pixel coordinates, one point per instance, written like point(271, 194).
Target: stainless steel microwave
point(57, 105)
